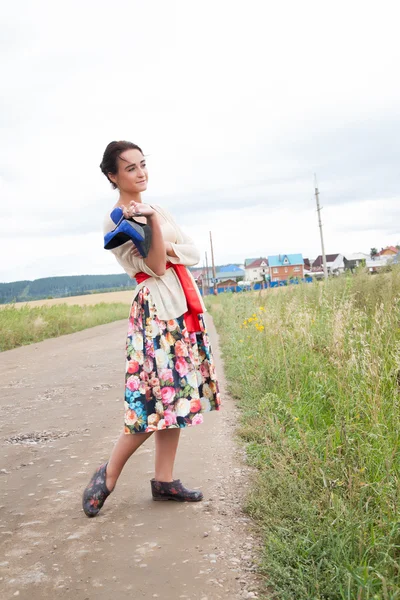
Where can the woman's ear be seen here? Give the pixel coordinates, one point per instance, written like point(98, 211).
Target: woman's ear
point(112, 178)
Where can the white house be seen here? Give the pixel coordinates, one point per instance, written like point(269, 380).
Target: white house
point(334, 264)
point(358, 256)
point(353, 261)
point(256, 270)
point(374, 264)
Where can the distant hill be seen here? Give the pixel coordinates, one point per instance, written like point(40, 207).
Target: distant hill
point(60, 287)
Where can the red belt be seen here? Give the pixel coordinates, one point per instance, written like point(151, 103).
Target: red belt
point(192, 298)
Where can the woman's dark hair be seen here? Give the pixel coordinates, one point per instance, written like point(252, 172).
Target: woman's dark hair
point(111, 153)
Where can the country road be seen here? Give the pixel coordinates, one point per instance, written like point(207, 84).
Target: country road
point(61, 409)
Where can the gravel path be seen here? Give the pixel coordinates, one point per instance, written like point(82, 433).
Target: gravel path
point(61, 411)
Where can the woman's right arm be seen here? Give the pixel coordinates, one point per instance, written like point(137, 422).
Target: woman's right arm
point(156, 258)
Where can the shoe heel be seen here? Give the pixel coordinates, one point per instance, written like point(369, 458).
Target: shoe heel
point(161, 498)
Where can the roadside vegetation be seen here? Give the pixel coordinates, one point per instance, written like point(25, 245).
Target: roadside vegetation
point(27, 325)
point(316, 372)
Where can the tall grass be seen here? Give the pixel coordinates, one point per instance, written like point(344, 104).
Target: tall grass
point(26, 325)
point(316, 370)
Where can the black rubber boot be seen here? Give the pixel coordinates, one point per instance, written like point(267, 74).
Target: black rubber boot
point(174, 490)
point(96, 492)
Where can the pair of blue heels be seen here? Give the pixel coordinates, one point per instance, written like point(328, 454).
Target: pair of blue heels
point(128, 230)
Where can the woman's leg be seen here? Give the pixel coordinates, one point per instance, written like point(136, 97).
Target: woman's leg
point(161, 486)
point(126, 445)
point(166, 445)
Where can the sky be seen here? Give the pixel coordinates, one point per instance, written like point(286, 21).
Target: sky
point(236, 106)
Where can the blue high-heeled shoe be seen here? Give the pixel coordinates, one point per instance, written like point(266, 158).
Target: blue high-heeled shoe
point(128, 230)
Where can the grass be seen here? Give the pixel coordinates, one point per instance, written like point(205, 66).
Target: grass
point(27, 325)
point(316, 372)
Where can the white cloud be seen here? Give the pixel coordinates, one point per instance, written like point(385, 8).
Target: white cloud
point(237, 106)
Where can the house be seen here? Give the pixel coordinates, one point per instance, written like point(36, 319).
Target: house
point(201, 274)
point(389, 251)
point(334, 264)
point(316, 272)
point(284, 266)
point(224, 275)
point(227, 285)
point(198, 274)
point(247, 261)
point(257, 270)
point(352, 261)
point(307, 266)
point(376, 263)
point(229, 272)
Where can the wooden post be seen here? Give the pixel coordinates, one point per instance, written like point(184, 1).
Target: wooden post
point(207, 276)
point(213, 266)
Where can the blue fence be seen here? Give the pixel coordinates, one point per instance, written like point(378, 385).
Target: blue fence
point(274, 284)
point(262, 286)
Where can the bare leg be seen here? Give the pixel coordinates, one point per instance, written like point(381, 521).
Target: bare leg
point(126, 445)
point(166, 445)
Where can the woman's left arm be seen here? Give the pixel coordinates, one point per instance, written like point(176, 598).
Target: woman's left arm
point(183, 251)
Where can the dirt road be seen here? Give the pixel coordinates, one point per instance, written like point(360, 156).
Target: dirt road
point(61, 411)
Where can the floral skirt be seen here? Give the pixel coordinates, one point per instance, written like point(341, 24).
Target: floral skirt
point(170, 373)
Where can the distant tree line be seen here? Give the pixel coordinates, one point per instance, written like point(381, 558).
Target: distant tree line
point(60, 287)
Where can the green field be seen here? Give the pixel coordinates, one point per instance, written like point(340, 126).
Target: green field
point(316, 372)
point(26, 324)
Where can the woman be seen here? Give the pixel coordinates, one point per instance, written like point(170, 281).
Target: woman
point(170, 376)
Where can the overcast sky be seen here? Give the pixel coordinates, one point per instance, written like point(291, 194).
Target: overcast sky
point(237, 104)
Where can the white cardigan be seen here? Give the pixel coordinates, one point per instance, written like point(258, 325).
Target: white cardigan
point(166, 290)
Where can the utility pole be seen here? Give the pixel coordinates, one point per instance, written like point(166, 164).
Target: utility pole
point(320, 227)
point(213, 266)
point(207, 277)
point(202, 280)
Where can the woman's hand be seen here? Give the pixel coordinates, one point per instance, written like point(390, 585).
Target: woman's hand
point(169, 249)
point(136, 209)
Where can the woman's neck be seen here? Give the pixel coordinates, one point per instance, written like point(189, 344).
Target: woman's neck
point(126, 198)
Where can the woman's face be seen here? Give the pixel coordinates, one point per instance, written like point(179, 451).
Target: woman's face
point(132, 173)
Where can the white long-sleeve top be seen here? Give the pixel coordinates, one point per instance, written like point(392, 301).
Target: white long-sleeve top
point(166, 290)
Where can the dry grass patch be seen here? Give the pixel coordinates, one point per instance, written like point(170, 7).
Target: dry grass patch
point(85, 300)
